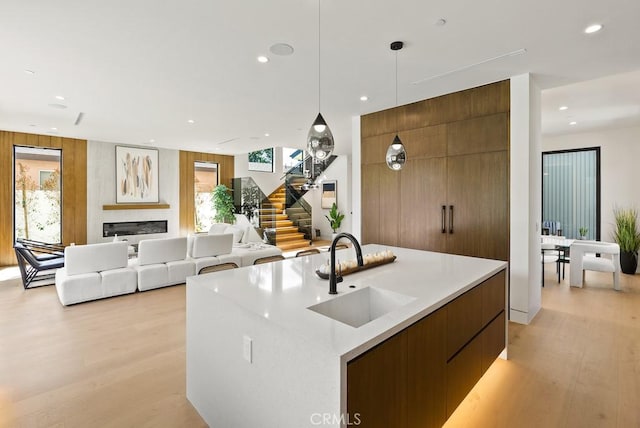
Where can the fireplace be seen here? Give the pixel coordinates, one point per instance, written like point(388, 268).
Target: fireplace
point(125, 228)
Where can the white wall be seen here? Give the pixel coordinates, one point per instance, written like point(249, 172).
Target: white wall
point(525, 200)
point(267, 181)
point(339, 170)
point(619, 155)
point(101, 190)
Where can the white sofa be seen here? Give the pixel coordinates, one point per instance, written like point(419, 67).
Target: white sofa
point(95, 271)
point(162, 262)
point(210, 250)
point(247, 246)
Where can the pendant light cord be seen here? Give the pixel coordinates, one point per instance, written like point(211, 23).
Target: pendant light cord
point(396, 78)
point(319, 64)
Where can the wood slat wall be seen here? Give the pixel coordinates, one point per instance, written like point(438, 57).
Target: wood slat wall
point(74, 187)
point(187, 192)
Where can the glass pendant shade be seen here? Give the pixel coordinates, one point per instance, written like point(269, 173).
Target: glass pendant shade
point(320, 139)
point(396, 155)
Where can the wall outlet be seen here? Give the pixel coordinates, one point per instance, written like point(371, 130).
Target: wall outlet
point(247, 345)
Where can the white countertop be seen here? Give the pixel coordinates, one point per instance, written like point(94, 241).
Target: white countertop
point(281, 292)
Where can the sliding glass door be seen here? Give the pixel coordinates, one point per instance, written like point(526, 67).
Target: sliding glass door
point(571, 192)
point(37, 190)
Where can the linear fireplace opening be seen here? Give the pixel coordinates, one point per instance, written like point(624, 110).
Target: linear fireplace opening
point(125, 228)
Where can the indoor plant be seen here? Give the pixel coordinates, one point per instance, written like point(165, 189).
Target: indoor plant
point(335, 218)
point(583, 232)
point(223, 204)
point(626, 235)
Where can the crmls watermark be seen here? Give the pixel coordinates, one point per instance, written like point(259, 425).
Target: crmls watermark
point(332, 419)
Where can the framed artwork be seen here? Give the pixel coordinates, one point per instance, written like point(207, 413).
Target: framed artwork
point(136, 175)
point(329, 194)
point(261, 160)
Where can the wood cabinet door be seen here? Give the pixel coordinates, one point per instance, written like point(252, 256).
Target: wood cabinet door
point(422, 195)
point(377, 385)
point(427, 361)
point(370, 204)
point(477, 189)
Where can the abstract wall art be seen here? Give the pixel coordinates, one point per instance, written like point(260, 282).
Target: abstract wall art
point(136, 175)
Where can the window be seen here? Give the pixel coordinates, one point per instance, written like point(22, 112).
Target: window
point(205, 179)
point(571, 192)
point(37, 191)
point(291, 158)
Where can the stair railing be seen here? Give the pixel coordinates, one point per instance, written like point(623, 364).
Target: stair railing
point(251, 201)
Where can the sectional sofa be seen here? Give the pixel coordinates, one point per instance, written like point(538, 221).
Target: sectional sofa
point(97, 271)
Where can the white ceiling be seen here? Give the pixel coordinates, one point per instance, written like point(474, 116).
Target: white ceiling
point(140, 69)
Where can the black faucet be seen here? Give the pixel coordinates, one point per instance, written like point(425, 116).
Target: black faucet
point(333, 279)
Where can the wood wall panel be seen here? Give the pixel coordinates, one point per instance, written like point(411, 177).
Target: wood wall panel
point(187, 191)
point(470, 121)
point(421, 143)
point(74, 187)
point(389, 205)
point(478, 135)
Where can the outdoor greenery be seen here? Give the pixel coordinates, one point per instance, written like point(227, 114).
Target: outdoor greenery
point(626, 232)
point(37, 207)
point(335, 217)
point(223, 204)
point(262, 156)
point(250, 201)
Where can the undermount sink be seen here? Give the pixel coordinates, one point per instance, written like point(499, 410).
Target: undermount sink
point(362, 306)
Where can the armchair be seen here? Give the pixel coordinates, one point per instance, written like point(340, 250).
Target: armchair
point(582, 259)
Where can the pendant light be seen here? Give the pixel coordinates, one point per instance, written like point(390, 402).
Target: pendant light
point(320, 139)
point(396, 154)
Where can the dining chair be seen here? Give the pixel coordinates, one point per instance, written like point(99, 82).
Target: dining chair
point(583, 257)
point(268, 259)
point(217, 268)
point(308, 252)
point(550, 254)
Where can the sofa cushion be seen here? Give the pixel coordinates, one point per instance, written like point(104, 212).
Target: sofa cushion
point(212, 245)
point(119, 281)
point(152, 251)
point(152, 276)
point(77, 288)
point(218, 228)
point(180, 270)
point(79, 259)
point(237, 231)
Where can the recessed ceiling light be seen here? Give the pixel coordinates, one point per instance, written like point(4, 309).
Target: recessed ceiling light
point(562, 108)
point(32, 125)
point(281, 49)
point(364, 98)
point(593, 28)
point(263, 59)
point(29, 72)
point(573, 123)
point(440, 22)
point(191, 121)
point(54, 128)
point(59, 97)
point(266, 134)
point(152, 140)
point(58, 106)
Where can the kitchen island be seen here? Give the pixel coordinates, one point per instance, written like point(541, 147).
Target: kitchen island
point(257, 356)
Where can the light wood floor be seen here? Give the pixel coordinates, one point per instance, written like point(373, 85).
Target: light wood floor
point(120, 362)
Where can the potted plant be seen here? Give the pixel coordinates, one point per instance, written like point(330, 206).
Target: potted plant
point(223, 204)
point(626, 235)
point(583, 232)
point(335, 218)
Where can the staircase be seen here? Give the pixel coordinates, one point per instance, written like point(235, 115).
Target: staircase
point(273, 215)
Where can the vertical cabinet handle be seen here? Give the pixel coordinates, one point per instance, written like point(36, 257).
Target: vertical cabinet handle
point(450, 218)
point(444, 222)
